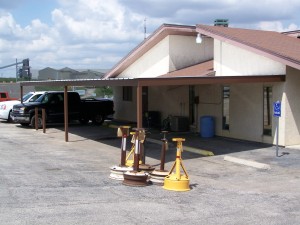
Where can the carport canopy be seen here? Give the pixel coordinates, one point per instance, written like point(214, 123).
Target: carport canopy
point(209, 78)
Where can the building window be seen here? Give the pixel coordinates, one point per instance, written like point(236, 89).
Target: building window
point(226, 101)
point(127, 93)
point(267, 111)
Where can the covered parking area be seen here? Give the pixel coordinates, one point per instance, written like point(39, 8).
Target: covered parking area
point(139, 83)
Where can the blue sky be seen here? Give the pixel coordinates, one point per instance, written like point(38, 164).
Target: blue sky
point(27, 10)
point(96, 34)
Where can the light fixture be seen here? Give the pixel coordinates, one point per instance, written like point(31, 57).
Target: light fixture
point(199, 39)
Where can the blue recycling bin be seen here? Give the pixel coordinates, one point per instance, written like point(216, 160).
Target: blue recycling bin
point(207, 126)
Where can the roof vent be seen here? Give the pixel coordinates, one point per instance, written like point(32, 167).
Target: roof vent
point(221, 22)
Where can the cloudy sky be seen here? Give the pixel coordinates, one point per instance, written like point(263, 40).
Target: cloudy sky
point(96, 34)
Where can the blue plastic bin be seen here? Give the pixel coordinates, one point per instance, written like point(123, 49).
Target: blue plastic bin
point(207, 126)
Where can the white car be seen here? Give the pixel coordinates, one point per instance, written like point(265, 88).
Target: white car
point(6, 106)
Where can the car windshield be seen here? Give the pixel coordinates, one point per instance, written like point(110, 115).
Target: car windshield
point(26, 97)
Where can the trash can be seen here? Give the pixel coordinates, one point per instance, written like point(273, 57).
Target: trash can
point(207, 126)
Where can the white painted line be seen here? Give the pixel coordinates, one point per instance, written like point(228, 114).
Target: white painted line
point(247, 162)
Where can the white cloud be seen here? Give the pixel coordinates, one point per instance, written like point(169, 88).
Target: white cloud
point(8, 27)
point(277, 26)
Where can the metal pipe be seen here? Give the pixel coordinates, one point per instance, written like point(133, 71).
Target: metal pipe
point(139, 106)
point(66, 114)
point(36, 112)
point(163, 151)
point(44, 120)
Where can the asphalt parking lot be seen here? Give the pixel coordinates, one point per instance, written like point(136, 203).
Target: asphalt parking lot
point(44, 180)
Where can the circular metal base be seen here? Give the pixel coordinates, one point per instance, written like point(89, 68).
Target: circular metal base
point(158, 176)
point(146, 168)
point(135, 179)
point(116, 172)
point(173, 184)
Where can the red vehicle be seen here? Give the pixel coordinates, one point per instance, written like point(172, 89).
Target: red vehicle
point(4, 96)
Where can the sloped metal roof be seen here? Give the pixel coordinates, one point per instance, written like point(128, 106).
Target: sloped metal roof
point(274, 45)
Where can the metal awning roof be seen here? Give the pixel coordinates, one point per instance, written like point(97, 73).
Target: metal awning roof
point(158, 81)
point(140, 82)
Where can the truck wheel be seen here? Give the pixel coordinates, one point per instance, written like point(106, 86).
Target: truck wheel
point(9, 120)
point(40, 121)
point(98, 119)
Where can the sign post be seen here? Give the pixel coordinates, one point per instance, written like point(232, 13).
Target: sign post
point(277, 113)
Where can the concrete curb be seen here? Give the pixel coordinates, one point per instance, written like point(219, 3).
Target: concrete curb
point(247, 163)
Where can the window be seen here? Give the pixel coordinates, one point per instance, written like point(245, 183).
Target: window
point(226, 101)
point(267, 111)
point(3, 95)
point(127, 93)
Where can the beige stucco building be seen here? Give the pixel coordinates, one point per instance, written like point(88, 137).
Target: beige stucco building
point(240, 74)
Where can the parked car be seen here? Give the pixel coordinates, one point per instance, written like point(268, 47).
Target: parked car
point(53, 103)
point(7, 106)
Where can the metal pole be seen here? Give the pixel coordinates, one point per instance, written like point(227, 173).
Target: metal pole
point(21, 94)
point(136, 153)
point(36, 118)
point(277, 136)
point(139, 106)
point(163, 151)
point(66, 114)
point(44, 120)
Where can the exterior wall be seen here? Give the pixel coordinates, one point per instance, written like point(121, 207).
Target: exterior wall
point(66, 74)
point(169, 100)
point(173, 99)
point(172, 53)
point(246, 108)
point(291, 109)
point(210, 104)
point(48, 73)
point(184, 51)
point(233, 61)
point(124, 110)
point(153, 63)
point(246, 112)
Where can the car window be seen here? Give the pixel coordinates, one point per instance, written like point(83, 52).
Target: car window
point(34, 98)
point(45, 98)
point(27, 96)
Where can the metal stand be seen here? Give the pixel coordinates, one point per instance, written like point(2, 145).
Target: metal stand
point(130, 156)
point(136, 177)
point(158, 176)
point(116, 172)
point(177, 181)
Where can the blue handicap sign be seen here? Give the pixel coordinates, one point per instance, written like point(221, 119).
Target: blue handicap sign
point(277, 109)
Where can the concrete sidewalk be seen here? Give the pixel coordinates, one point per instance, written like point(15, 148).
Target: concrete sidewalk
point(44, 180)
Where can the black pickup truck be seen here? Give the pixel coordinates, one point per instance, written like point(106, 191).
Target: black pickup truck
point(83, 110)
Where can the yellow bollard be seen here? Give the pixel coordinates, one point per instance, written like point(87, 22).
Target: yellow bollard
point(177, 181)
